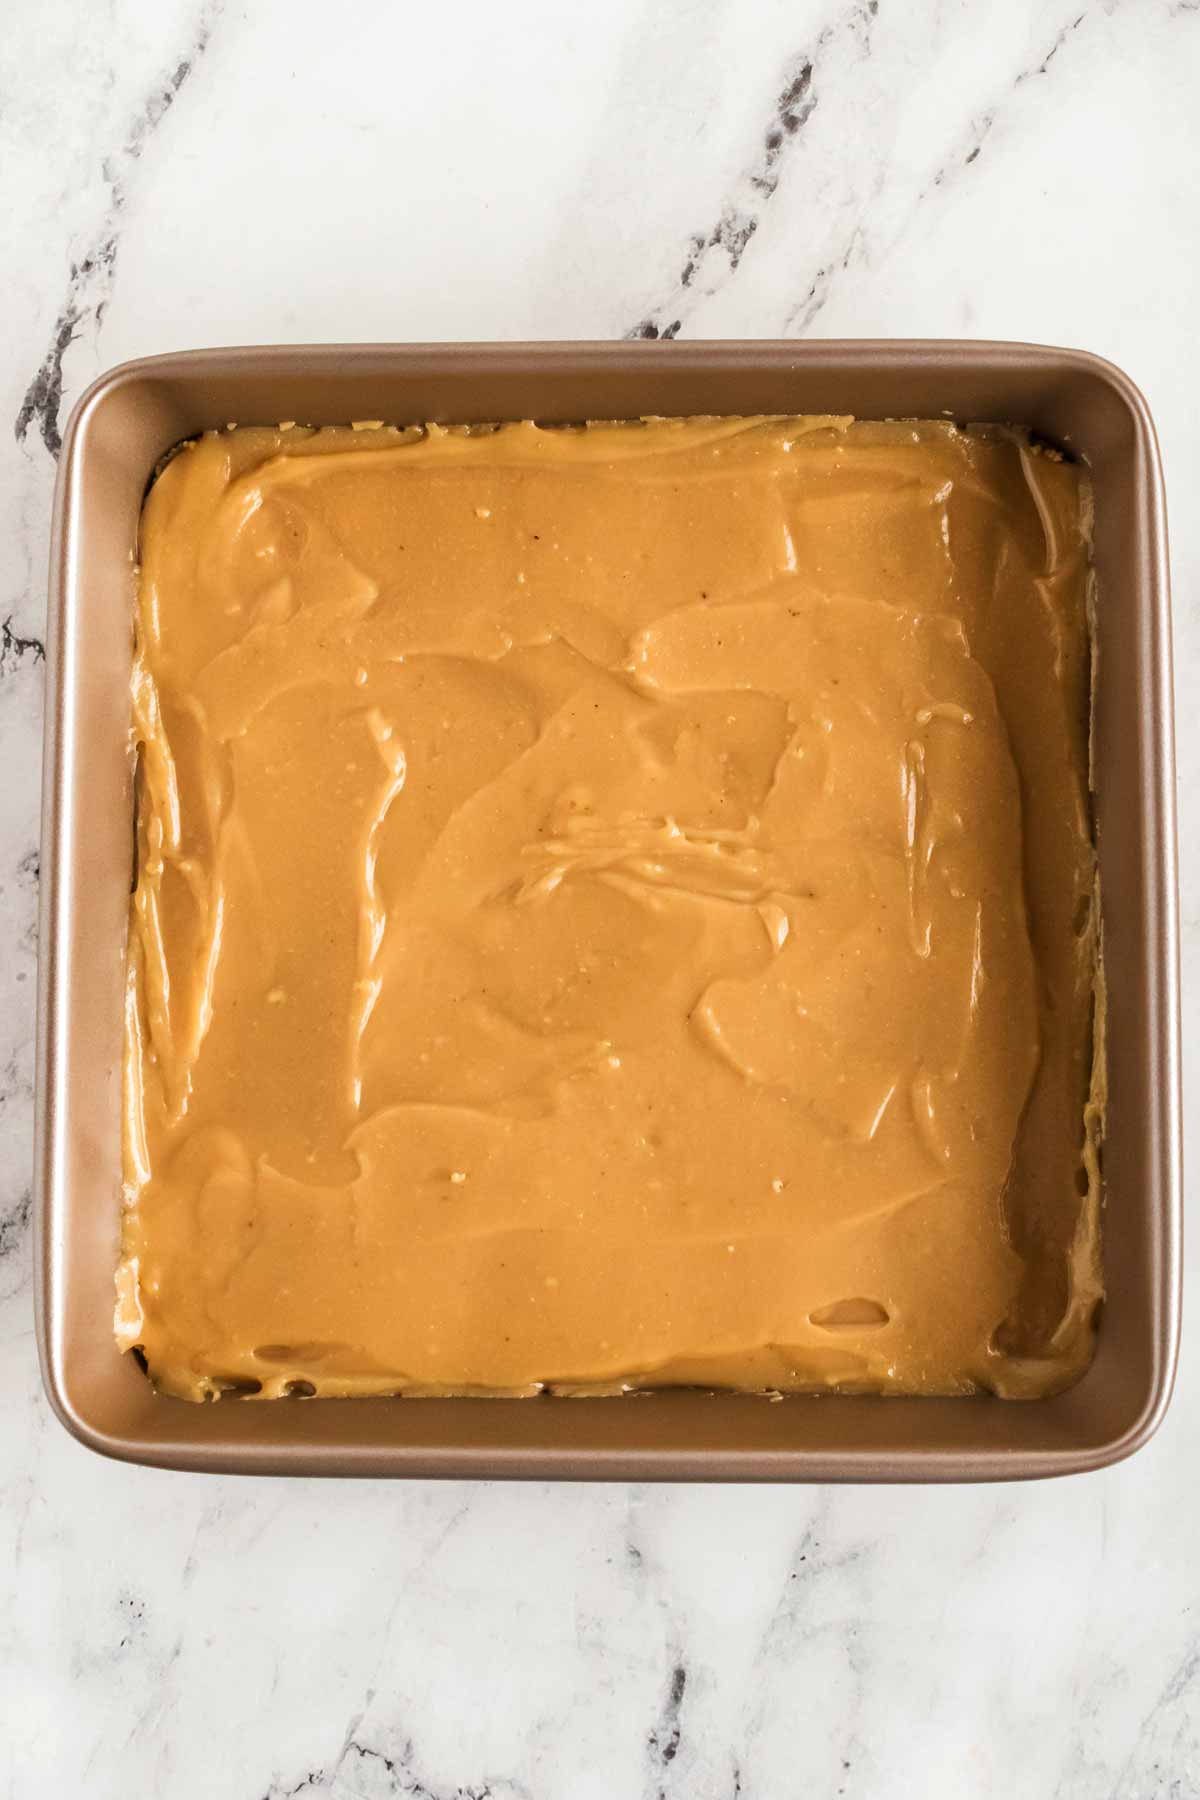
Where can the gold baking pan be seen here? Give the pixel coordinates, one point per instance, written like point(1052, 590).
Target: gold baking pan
point(118, 432)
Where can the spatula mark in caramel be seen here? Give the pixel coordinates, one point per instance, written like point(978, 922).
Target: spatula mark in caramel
point(856, 1314)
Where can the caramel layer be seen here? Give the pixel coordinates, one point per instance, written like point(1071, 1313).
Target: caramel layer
point(614, 908)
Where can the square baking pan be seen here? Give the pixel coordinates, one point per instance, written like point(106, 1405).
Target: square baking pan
point(118, 432)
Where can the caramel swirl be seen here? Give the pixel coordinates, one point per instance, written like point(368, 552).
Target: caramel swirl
point(614, 908)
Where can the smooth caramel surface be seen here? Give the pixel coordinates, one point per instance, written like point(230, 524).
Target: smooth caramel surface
point(614, 907)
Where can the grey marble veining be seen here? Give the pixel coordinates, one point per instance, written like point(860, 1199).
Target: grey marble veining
point(190, 173)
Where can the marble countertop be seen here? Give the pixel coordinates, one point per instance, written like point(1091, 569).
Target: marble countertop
point(203, 173)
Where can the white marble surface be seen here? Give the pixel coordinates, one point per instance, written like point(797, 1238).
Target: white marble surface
point(188, 173)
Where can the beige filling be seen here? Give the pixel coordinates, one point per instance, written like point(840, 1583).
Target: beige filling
point(615, 908)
